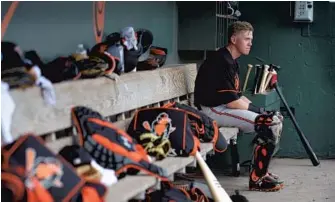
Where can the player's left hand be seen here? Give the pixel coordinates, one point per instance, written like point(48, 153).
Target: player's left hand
point(245, 99)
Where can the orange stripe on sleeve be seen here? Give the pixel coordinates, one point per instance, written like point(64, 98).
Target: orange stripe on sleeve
point(234, 91)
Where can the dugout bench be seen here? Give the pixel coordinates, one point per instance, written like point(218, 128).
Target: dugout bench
point(117, 100)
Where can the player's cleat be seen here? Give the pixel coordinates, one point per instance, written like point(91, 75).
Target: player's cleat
point(266, 184)
point(276, 177)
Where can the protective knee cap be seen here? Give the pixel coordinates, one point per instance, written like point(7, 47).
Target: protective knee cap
point(269, 127)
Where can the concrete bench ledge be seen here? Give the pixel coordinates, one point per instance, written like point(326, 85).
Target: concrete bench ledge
point(135, 186)
point(229, 132)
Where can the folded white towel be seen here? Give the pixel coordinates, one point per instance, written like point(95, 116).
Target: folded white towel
point(7, 110)
point(47, 89)
point(108, 175)
point(130, 41)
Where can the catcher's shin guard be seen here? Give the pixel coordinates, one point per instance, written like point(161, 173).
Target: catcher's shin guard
point(261, 160)
point(268, 128)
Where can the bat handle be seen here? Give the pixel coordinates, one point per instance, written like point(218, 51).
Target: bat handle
point(247, 77)
point(267, 81)
point(264, 76)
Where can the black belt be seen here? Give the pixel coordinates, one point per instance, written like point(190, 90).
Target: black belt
point(198, 106)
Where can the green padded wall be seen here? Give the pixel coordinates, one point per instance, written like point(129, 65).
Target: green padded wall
point(306, 55)
point(307, 58)
point(55, 28)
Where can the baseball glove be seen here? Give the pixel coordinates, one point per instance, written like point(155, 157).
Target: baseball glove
point(18, 77)
point(96, 65)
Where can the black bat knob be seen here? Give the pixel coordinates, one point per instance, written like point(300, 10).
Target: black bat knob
point(260, 59)
point(275, 67)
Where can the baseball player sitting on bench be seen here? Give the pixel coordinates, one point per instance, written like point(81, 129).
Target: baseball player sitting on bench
point(217, 94)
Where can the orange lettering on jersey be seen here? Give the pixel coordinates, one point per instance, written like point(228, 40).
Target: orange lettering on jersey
point(237, 82)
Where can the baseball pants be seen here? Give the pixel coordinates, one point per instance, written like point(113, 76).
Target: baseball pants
point(226, 117)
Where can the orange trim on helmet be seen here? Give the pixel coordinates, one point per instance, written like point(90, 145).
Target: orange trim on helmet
point(157, 51)
point(110, 125)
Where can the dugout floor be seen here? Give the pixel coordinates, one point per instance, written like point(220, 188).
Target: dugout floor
point(303, 182)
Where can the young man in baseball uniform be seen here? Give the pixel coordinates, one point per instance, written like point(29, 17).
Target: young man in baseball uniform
point(217, 94)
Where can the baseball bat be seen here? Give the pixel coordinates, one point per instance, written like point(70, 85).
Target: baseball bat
point(218, 193)
point(259, 79)
point(302, 136)
point(259, 59)
point(247, 77)
point(256, 79)
point(267, 82)
point(264, 76)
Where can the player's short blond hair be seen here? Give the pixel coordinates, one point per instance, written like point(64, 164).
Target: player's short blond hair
point(237, 27)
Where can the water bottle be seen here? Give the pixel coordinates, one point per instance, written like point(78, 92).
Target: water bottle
point(81, 52)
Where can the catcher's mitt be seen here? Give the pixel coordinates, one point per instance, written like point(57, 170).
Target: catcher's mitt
point(96, 65)
point(18, 77)
point(158, 147)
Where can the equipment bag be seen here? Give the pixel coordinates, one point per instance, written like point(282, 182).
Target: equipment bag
point(204, 127)
point(13, 189)
point(61, 69)
point(168, 193)
point(45, 176)
point(111, 147)
point(175, 193)
point(170, 123)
